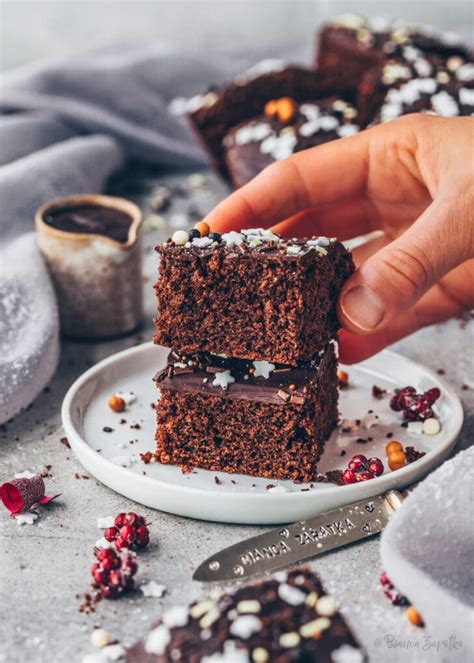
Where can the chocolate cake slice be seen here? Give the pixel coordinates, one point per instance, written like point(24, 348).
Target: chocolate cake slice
point(286, 618)
point(285, 127)
point(448, 94)
point(247, 417)
point(251, 294)
point(412, 64)
point(350, 45)
point(216, 111)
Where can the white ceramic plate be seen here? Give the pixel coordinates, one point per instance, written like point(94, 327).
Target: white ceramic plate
point(237, 498)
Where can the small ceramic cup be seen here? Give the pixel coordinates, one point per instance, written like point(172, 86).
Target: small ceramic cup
point(98, 280)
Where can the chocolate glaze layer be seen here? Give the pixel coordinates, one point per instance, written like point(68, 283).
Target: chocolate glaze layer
point(195, 373)
point(92, 220)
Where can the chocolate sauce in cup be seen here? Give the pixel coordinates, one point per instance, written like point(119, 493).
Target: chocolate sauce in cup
point(92, 246)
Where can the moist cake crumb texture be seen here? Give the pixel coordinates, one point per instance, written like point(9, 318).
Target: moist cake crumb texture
point(268, 421)
point(251, 294)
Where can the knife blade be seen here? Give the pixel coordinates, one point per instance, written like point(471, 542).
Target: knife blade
point(286, 545)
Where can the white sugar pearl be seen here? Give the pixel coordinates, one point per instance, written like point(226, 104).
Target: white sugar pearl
point(180, 237)
point(431, 426)
point(326, 606)
point(100, 638)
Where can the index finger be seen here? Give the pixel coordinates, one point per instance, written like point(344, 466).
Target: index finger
point(319, 175)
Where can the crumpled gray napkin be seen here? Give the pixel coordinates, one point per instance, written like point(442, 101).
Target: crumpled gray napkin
point(29, 344)
point(65, 127)
point(428, 553)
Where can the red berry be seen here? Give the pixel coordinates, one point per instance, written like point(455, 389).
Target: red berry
point(432, 395)
point(395, 403)
point(127, 533)
point(120, 520)
point(120, 544)
point(358, 463)
point(129, 563)
point(364, 476)
point(116, 579)
point(375, 466)
point(100, 576)
point(112, 574)
point(109, 592)
point(130, 518)
point(349, 476)
point(110, 562)
point(416, 407)
point(110, 533)
point(105, 553)
point(142, 536)
point(140, 521)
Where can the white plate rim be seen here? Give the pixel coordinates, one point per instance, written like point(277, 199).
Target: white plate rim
point(352, 493)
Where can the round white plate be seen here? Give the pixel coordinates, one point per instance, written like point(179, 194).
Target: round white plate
point(114, 457)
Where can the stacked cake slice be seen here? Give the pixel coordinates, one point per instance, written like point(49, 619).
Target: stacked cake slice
point(251, 384)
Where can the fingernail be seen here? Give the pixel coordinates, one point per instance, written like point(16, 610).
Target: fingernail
point(362, 307)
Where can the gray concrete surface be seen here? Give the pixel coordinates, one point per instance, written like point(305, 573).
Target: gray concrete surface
point(44, 566)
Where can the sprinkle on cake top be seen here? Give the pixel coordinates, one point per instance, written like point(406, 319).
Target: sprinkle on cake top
point(249, 240)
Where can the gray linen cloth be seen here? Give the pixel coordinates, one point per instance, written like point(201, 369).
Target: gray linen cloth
point(428, 551)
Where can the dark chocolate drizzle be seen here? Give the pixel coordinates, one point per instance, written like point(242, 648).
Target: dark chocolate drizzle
point(91, 220)
point(286, 385)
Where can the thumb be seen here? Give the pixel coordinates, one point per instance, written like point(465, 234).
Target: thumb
point(393, 279)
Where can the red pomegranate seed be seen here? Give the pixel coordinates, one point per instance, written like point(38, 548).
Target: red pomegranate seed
point(349, 476)
point(130, 518)
point(357, 463)
point(110, 534)
point(120, 520)
point(364, 476)
point(375, 466)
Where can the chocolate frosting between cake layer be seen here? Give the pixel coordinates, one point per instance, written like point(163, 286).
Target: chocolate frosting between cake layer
point(92, 220)
point(196, 374)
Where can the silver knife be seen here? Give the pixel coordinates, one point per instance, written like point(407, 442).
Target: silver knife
point(308, 538)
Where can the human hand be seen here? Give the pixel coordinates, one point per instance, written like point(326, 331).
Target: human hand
point(412, 179)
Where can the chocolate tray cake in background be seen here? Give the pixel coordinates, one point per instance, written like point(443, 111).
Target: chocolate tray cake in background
point(213, 113)
point(448, 94)
point(449, 74)
point(349, 46)
point(248, 417)
point(287, 618)
point(284, 128)
point(252, 295)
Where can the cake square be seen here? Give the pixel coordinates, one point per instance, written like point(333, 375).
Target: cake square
point(213, 113)
point(288, 617)
point(250, 295)
point(447, 93)
point(411, 67)
point(248, 417)
point(349, 46)
point(285, 127)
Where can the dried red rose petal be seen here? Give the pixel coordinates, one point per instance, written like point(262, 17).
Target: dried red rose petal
point(19, 495)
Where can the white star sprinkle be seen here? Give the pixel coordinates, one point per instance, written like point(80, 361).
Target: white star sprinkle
point(223, 379)
point(263, 369)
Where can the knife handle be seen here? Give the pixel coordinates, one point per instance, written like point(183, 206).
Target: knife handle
point(394, 498)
